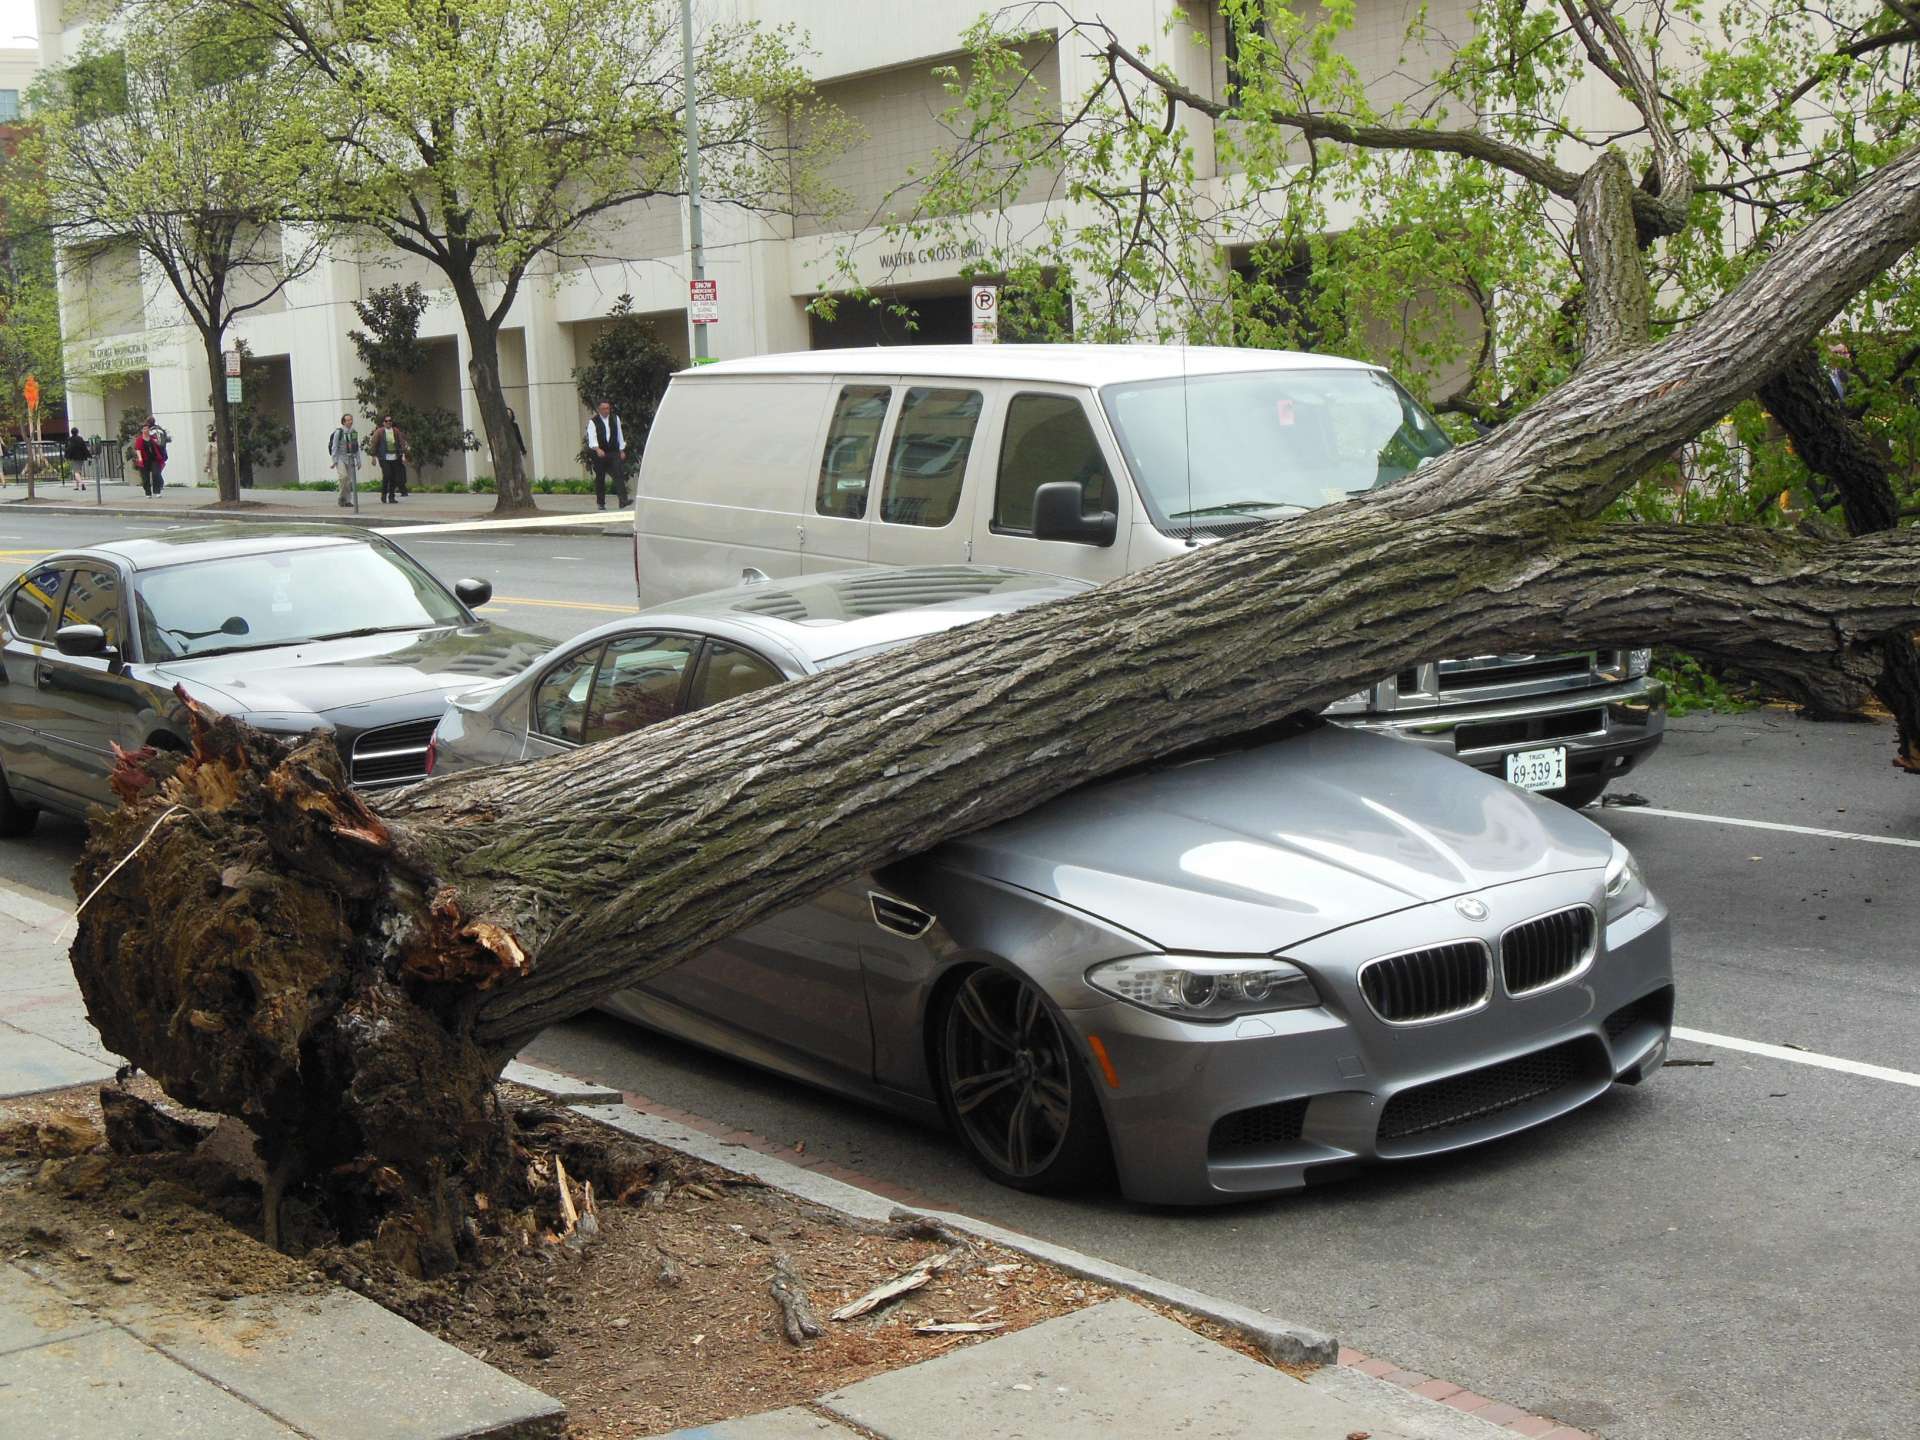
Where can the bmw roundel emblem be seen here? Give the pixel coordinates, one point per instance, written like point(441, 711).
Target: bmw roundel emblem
point(1471, 908)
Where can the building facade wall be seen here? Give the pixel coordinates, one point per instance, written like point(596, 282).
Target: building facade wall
point(875, 59)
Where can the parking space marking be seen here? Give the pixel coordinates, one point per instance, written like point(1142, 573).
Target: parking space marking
point(1798, 1057)
point(1775, 825)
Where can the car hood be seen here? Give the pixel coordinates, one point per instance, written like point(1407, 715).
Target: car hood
point(330, 677)
point(1254, 850)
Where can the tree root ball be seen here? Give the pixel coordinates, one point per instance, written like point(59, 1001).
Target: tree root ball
point(270, 956)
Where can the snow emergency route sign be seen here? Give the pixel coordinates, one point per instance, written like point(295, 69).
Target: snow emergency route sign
point(703, 302)
point(986, 314)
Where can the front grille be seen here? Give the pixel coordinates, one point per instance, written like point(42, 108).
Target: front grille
point(1518, 732)
point(1265, 1127)
point(1427, 984)
point(1544, 951)
point(1469, 674)
point(1462, 1099)
point(1654, 1009)
point(393, 753)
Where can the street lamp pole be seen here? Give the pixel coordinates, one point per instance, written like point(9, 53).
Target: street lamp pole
point(696, 243)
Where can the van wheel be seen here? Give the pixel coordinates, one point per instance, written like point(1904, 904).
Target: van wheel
point(1013, 1086)
point(15, 818)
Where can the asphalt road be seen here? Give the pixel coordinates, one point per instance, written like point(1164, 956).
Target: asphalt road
point(1726, 1251)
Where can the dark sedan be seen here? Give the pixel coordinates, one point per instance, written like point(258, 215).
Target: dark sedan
point(295, 628)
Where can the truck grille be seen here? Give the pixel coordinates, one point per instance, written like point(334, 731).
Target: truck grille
point(1427, 984)
point(1463, 1099)
point(1491, 733)
point(1545, 951)
point(392, 754)
point(1496, 670)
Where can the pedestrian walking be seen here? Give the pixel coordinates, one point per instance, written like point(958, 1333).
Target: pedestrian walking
point(518, 438)
point(210, 463)
point(78, 453)
point(607, 444)
point(150, 457)
point(389, 446)
point(343, 450)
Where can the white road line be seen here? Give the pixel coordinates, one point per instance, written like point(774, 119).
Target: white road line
point(597, 517)
point(1774, 825)
point(1798, 1057)
point(469, 544)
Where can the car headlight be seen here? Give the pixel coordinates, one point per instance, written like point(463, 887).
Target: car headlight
point(1201, 987)
point(1626, 886)
point(1638, 663)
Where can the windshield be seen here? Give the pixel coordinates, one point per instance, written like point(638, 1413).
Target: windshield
point(253, 602)
point(1272, 442)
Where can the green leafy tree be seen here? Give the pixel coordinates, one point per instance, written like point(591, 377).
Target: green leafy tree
point(626, 364)
point(1486, 206)
point(489, 137)
point(184, 138)
point(29, 298)
point(391, 355)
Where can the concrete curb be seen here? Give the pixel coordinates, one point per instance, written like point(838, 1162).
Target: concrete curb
point(560, 524)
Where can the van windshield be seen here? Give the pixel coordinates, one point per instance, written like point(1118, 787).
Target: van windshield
point(1210, 450)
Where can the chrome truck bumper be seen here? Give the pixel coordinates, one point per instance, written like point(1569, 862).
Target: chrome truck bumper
point(1607, 729)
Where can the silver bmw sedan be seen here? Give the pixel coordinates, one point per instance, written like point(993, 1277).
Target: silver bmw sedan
point(1222, 975)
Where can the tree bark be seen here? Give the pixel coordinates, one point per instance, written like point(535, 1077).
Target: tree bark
point(351, 983)
point(513, 492)
point(1833, 444)
point(226, 473)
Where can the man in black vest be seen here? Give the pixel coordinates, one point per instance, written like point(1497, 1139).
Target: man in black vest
point(607, 446)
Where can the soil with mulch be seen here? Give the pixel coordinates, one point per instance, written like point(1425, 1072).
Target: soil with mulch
point(655, 1313)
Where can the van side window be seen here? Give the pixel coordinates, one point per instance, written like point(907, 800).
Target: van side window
point(1048, 438)
point(929, 459)
point(846, 469)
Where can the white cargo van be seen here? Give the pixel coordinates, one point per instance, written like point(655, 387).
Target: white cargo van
point(1090, 461)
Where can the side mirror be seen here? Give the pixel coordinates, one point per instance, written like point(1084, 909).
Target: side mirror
point(473, 592)
point(1059, 513)
point(80, 640)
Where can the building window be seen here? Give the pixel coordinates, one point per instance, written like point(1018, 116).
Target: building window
point(9, 105)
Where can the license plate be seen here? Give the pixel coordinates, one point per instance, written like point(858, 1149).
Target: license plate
point(1538, 769)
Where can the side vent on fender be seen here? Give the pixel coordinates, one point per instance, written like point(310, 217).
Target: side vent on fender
point(898, 917)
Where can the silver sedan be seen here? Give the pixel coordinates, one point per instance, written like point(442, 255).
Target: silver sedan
point(1226, 974)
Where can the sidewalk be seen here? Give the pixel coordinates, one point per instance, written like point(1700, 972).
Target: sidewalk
point(189, 503)
point(84, 1366)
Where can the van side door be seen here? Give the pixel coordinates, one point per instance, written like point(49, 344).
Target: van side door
point(931, 459)
point(1049, 434)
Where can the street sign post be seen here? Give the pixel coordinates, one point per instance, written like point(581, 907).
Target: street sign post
point(986, 314)
point(233, 389)
point(233, 363)
point(703, 302)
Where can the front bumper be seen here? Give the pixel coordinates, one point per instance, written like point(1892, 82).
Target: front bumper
point(1307, 1090)
point(1607, 729)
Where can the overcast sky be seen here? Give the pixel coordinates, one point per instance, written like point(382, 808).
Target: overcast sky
point(16, 23)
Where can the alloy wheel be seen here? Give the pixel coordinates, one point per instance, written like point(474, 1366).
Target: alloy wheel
point(1009, 1073)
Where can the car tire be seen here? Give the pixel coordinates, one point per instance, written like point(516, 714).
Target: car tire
point(16, 819)
point(1014, 1087)
point(1580, 793)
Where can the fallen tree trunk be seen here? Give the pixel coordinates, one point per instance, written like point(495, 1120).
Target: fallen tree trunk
point(351, 983)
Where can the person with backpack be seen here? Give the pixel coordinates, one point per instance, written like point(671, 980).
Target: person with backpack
point(343, 450)
point(78, 453)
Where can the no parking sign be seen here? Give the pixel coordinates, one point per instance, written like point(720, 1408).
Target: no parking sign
point(986, 314)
